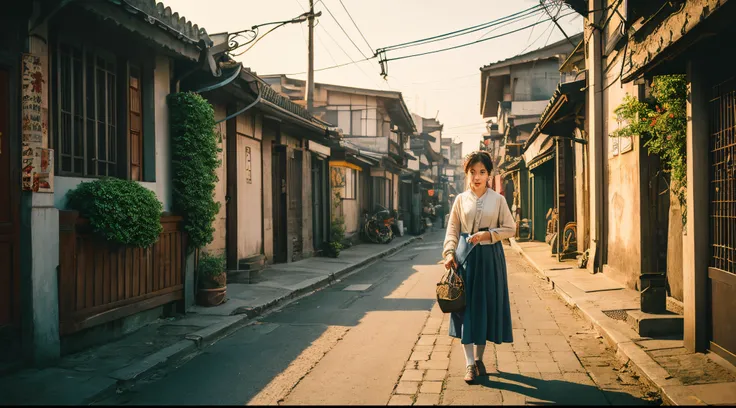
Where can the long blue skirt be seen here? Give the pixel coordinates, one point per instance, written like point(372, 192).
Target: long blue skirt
point(487, 314)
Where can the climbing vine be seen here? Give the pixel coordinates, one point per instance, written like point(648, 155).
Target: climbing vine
point(661, 121)
point(194, 163)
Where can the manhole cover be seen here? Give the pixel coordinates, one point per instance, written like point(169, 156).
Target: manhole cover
point(618, 314)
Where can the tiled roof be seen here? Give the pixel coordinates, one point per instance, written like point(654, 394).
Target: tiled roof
point(270, 95)
point(164, 17)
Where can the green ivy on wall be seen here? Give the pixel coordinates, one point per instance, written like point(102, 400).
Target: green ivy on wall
point(122, 211)
point(662, 121)
point(194, 163)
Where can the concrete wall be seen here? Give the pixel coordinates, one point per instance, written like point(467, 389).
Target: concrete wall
point(219, 242)
point(396, 191)
point(581, 196)
point(307, 208)
point(623, 193)
point(535, 81)
point(250, 216)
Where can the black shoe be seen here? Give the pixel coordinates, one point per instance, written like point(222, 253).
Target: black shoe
point(481, 367)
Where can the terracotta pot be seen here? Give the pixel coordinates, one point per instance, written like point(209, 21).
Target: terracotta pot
point(211, 297)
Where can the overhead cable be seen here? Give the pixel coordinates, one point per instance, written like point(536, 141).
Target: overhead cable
point(468, 30)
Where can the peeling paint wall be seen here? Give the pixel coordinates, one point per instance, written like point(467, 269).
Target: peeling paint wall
point(644, 50)
point(250, 217)
point(623, 196)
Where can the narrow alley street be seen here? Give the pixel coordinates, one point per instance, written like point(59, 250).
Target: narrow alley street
point(377, 337)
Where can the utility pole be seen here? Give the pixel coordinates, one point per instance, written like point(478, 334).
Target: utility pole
point(310, 64)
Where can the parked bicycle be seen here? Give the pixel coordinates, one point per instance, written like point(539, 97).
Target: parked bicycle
point(377, 227)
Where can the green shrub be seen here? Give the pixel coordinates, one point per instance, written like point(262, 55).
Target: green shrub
point(122, 211)
point(211, 266)
point(194, 163)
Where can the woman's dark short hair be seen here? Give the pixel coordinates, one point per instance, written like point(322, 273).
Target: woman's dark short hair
point(478, 156)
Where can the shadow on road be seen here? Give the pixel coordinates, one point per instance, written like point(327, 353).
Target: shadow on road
point(237, 368)
point(548, 392)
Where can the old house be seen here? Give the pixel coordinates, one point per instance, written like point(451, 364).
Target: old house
point(76, 108)
point(453, 152)
point(275, 161)
point(640, 42)
point(514, 94)
point(374, 124)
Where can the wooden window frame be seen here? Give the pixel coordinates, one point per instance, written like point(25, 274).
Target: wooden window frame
point(351, 184)
point(118, 114)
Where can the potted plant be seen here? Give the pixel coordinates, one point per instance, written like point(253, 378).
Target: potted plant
point(212, 280)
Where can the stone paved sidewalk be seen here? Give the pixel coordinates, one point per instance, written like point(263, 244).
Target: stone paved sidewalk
point(680, 376)
point(556, 357)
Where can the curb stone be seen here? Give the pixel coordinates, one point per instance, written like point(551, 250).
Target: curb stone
point(627, 352)
point(126, 377)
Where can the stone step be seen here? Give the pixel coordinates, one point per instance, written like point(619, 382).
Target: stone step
point(255, 265)
point(240, 276)
point(254, 258)
point(651, 325)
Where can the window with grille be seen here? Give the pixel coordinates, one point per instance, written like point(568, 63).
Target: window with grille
point(86, 125)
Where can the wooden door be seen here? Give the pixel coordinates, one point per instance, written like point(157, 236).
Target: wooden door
point(722, 268)
point(9, 266)
point(278, 172)
point(317, 203)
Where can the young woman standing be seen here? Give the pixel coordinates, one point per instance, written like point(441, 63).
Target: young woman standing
point(479, 221)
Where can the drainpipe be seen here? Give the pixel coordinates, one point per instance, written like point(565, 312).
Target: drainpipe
point(595, 132)
point(254, 103)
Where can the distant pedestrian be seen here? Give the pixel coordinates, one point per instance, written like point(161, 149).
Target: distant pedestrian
point(479, 221)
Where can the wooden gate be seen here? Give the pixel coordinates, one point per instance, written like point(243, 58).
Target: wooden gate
point(278, 173)
point(100, 282)
point(9, 265)
point(722, 270)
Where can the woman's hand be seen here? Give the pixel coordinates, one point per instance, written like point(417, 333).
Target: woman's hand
point(450, 261)
point(479, 236)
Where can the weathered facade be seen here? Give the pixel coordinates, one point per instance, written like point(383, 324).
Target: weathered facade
point(75, 108)
point(515, 94)
point(373, 126)
point(687, 37)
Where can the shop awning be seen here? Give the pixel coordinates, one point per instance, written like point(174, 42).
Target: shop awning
point(560, 117)
point(542, 158)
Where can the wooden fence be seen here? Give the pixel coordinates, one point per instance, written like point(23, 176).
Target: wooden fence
point(100, 282)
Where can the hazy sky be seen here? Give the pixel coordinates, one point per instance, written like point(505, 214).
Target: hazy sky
point(448, 82)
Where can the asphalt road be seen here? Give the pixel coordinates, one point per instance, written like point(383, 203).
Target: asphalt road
point(351, 343)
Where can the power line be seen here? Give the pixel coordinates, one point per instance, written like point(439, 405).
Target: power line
point(539, 13)
point(336, 66)
point(356, 25)
point(470, 43)
point(346, 54)
point(464, 31)
point(341, 28)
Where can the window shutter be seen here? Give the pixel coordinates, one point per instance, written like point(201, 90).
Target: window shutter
point(135, 130)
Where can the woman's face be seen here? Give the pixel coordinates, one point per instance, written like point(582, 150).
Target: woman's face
point(478, 175)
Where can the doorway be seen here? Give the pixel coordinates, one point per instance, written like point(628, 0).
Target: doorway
point(9, 228)
point(278, 172)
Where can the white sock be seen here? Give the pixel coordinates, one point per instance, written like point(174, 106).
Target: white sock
point(479, 350)
point(469, 358)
